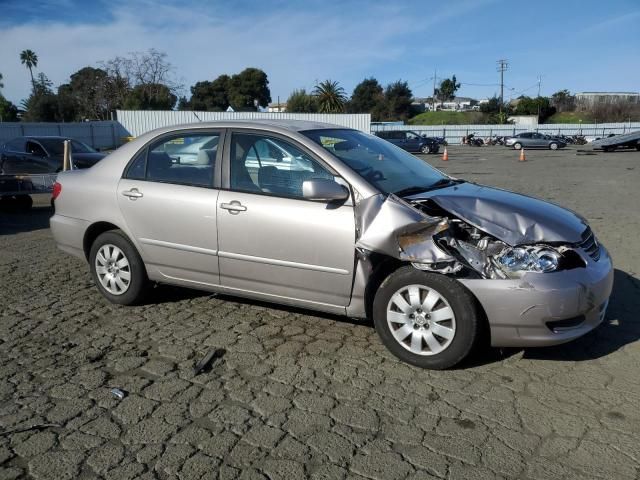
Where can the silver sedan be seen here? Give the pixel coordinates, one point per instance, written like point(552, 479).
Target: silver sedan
point(534, 140)
point(336, 220)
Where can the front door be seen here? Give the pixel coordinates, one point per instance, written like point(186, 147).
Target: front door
point(168, 200)
point(273, 242)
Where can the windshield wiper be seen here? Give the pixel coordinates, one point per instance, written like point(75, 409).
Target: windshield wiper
point(443, 182)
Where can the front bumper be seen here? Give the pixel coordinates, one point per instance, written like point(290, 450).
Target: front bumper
point(542, 309)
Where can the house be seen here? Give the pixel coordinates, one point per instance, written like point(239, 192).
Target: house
point(277, 107)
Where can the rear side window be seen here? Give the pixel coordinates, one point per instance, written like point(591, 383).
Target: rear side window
point(185, 160)
point(16, 145)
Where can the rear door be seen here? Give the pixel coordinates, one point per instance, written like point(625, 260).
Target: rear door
point(274, 243)
point(170, 207)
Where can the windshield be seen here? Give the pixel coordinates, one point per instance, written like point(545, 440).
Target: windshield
point(55, 146)
point(387, 167)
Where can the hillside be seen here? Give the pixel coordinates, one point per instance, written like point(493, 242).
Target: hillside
point(449, 118)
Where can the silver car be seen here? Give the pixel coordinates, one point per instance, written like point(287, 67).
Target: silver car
point(350, 224)
point(534, 140)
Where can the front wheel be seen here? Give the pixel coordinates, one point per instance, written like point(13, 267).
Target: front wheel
point(517, 146)
point(425, 149)
point(553, 146)
point(117, 269)
point(426, 319)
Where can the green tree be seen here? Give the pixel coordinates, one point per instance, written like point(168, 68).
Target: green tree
point(301, 102)
point(249, 89)
point(210, 96)
point(1, 84)
point(563, 101)
point(30, 60)
point(367, 96)
point(447, 89)
point(150, 97)
point(42, 104)
point(534, 106)
point(88, 95)
point(397, 101)
point(330, 96)
point(8, 111)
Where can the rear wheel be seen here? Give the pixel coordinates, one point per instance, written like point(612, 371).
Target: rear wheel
point(517, 146)
point(426, 319)
point(117, 269)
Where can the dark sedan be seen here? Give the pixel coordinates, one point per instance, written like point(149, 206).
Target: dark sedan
point(410, 141)
point(33, 155)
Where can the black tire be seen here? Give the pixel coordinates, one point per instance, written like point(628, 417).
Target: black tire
point(425, 149)
point(553, 146)
point(463, 304)
point(139, 283)
point(517, 146)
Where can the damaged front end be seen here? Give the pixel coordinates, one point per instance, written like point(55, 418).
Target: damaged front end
point(433, 239)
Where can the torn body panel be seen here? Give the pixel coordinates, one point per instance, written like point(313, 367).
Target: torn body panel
point(393, 227)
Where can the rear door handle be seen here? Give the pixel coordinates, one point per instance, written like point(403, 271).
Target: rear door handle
point(132, 194)
point(234, 207)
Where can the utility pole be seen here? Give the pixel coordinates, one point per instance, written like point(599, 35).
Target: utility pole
point(433, 97)
point(502, 67)
point(538, 98)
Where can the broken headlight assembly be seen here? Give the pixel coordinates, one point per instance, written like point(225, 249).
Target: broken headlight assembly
point(515, 261)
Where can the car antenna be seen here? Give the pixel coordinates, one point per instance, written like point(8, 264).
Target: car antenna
point(199, 119)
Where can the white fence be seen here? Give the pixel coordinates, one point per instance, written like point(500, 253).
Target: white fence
point(138, 122)
point(106, 134)
point(454, 133)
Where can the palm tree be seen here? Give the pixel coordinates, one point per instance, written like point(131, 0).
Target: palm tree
point(331, 97)
point(30, 59)
point(1, 84)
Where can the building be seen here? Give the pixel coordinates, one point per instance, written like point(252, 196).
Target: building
point(277, 107)
point(586, 99)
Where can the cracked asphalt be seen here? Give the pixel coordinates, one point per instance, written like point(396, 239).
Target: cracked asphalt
point(295, 394)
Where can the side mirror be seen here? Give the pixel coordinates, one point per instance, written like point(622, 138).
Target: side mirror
point(323, 190)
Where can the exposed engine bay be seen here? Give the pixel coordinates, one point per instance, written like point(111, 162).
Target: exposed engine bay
point(435, 240)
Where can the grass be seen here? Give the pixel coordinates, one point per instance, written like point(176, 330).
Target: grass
point(570, 117)
point(448, 118)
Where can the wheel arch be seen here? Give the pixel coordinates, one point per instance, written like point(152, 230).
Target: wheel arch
point(95, 230)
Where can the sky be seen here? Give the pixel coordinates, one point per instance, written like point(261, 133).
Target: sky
point(586, 45)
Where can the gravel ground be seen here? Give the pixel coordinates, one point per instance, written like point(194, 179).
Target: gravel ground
point(295, 394)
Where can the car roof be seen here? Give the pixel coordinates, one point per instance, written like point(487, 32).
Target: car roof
point(282, 125)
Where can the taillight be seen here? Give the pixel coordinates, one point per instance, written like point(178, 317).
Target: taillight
point(57, 190)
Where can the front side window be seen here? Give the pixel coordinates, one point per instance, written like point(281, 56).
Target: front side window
point(184, 160)
point(269, 165)
point(388, 168)
point(36, 149)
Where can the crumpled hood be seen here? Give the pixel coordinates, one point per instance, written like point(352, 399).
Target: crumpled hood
point(511, 217)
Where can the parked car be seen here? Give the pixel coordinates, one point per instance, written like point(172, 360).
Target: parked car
point(534, 140)
point(32, 155)
point(410, 141)
point(357, 227)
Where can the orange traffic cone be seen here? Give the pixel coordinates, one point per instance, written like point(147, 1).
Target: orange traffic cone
point(445, 155)
point(522, 157)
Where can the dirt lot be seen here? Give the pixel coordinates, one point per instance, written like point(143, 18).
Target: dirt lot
point(296, 394)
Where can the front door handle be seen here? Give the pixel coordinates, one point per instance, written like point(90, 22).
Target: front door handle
point(132, 194)
point(234, 207)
